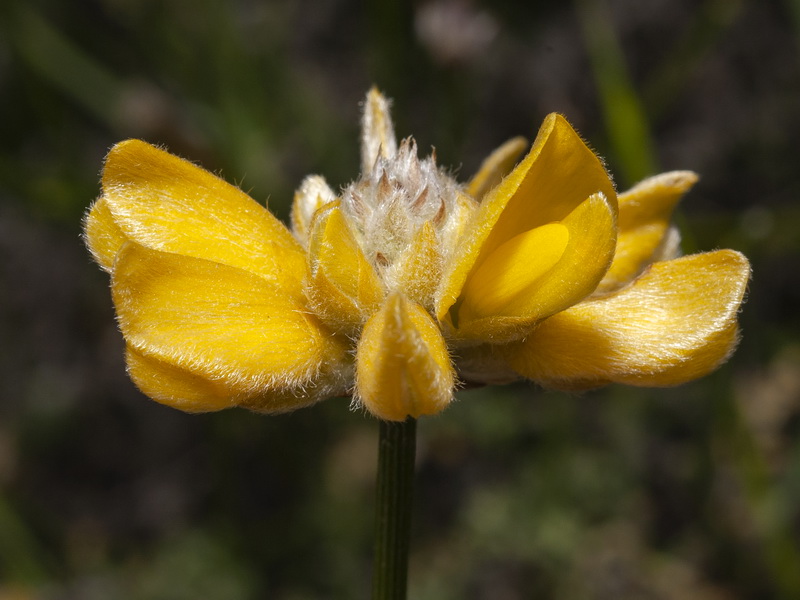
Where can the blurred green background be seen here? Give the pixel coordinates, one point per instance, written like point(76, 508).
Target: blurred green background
point(687, 493)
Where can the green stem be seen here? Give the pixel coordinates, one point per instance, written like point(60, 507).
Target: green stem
point(393, 496)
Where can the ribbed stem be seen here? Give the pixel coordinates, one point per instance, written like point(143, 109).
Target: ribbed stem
point(393, 498)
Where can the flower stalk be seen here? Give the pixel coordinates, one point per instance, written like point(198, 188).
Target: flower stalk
point(393, 500)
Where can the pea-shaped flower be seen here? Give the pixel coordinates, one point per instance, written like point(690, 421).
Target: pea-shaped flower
point(407, 284)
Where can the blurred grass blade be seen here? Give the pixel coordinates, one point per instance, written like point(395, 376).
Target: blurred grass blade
point(56, 59)
point(627, 126)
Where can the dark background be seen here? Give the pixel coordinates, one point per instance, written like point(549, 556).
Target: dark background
point(687, 493)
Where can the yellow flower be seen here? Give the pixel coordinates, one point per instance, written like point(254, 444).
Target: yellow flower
point(407, 282)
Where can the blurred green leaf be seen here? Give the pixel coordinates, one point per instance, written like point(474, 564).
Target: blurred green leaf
point(627, 126)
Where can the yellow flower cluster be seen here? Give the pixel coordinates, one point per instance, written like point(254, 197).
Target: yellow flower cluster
point(407, 282)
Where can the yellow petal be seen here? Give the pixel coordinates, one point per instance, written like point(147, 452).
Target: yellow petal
point(166, 203)
point(343, 288)
point(670, 246)
point(455, 226)
point(496, 166)
point(538, 273)
point(556, 177)
point(313, 194)
point(102, 235)
point(377, 131)
point(507, 278)
point(402, 365)
point(675, 323)
point(218, 322)
point(176, 387)
point(644, 220)
point(419, 270)
point(187, 391)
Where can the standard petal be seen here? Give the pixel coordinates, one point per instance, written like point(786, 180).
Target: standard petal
point(675, 323)
point(496, 166)
point(342, 287)
point(550, 183)
point(402, 365)
point(223, 324)
point(644, 220)
point(166, 203)
point(102, 235)
point(538, 273)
